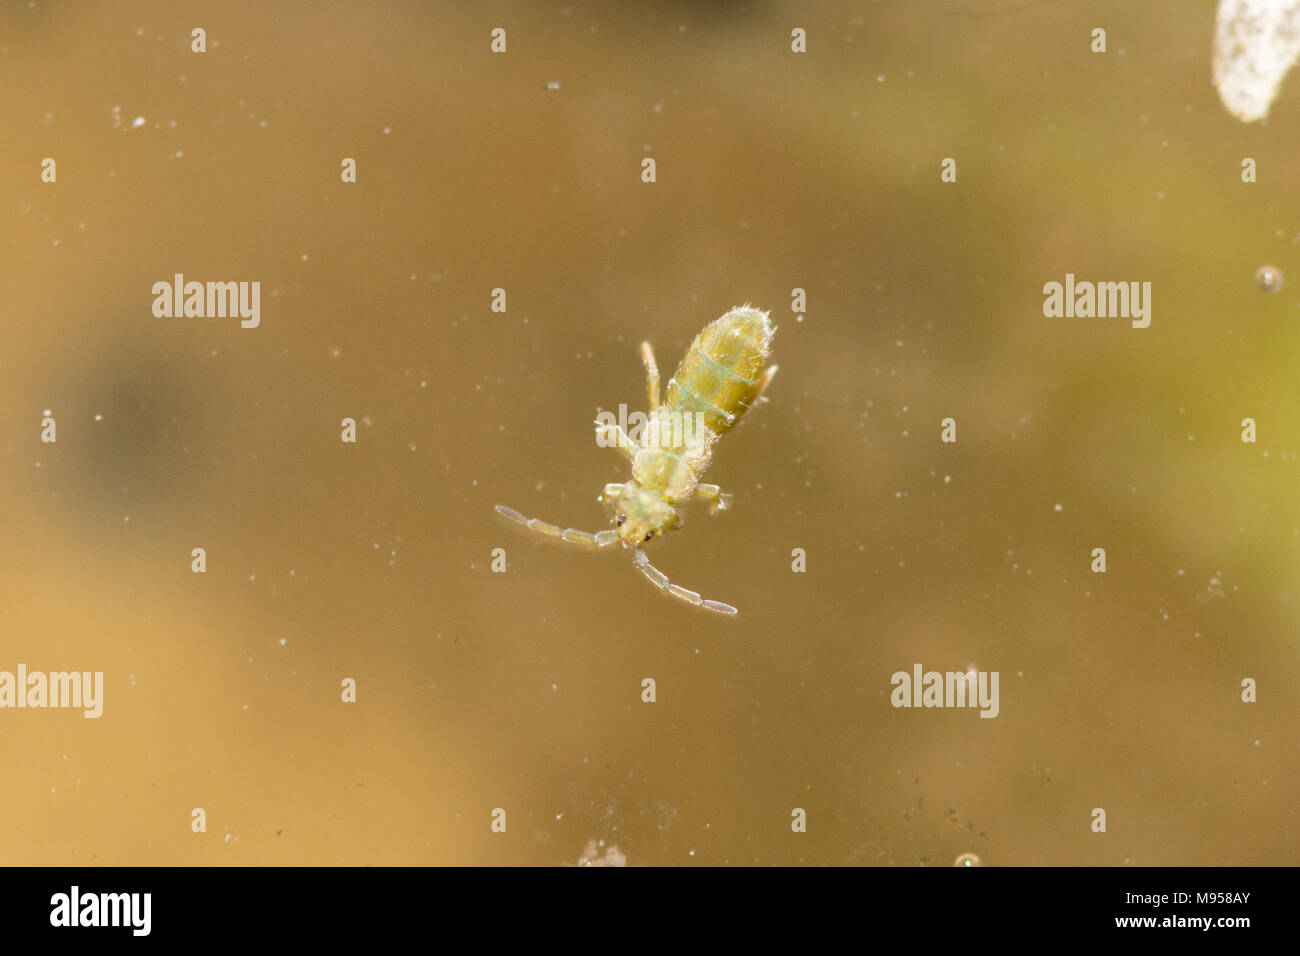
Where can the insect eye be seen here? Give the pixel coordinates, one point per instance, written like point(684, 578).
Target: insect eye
point(649, 535)
point(621, 519)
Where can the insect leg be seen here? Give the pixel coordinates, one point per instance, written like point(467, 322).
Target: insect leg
point(613, 436)
point(600, 539)
point(718, 501)
point(660, 580)
point(612, 491)
point(651, 374)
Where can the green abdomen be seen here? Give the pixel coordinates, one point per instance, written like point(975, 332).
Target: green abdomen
point(721, 369)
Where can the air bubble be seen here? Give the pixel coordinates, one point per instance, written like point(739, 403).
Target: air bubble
point(1269, 279)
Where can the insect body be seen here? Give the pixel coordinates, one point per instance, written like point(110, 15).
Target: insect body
point(720, 377)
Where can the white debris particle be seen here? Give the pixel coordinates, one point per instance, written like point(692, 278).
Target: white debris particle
point(1256, 42)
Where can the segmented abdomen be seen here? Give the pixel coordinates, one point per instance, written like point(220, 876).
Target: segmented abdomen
point(721, 368)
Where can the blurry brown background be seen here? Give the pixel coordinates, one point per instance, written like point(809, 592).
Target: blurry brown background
point(522, 690)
